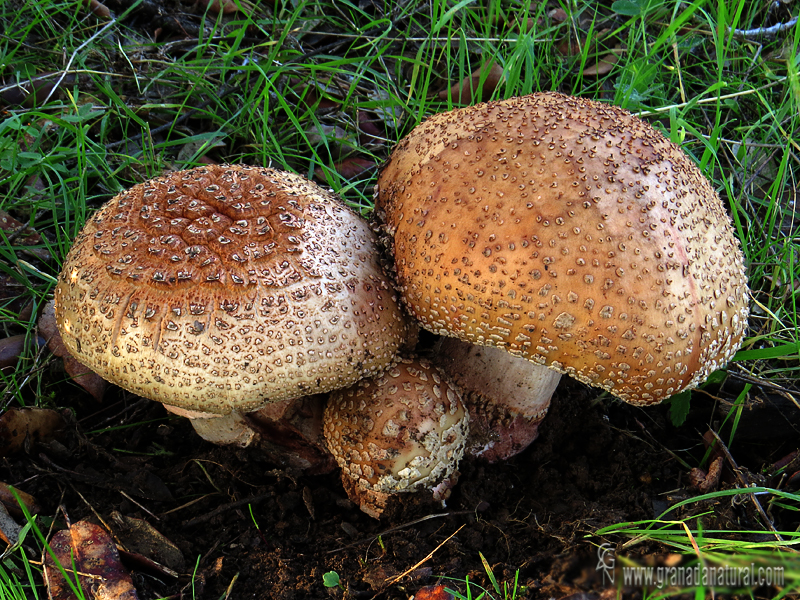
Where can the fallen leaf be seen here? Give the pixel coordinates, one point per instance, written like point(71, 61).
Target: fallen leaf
point(94, 555)
point(140, 537)
point(367, 124)
point(605, 64)
point(9, 528)
point(10, 502)
point(10, 350)
point(80, 373)
point(792, 458)
point(336, 140)
point(11, 292)
point(568, 45)
point(22, 235)
point(225, 7)
point(289, 434)
point(98, 9)
point(433, 592)
point(192, 150)
point(485, 79)
point(309, 96)
point(140, 562)
point(349, 168)
point(31, 92)
point(21, 426)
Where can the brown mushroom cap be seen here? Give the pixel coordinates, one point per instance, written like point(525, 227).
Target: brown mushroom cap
point(571, 233)
point(400, 431)
point(227, 287)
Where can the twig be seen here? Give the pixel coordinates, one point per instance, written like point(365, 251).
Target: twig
point(743, 481)
point(99, 518)
point(763, 34)
point(766, 384)
point(72, 57)
point(47, 76)
point(139, 505)
point(225, 507)
point(398, 528)
point(432, 552)
point(711, 99)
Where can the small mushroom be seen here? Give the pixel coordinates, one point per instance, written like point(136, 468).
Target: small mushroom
point(400, 431)
point(507, 396)
point(568, 232)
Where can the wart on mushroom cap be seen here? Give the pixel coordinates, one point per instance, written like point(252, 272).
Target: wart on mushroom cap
point(227, 287)
point(571, 233)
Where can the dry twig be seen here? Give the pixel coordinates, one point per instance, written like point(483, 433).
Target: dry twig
point(764, 34)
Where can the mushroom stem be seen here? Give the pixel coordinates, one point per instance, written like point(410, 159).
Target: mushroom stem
point(507, 396)
point(224, 430)
point(287, 433)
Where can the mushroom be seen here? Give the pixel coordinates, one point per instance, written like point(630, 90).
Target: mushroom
point(224, 288)
point(507, 396)
point(400, 431)
point(568, 232)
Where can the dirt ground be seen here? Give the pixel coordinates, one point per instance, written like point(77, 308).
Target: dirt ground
point(250, 529)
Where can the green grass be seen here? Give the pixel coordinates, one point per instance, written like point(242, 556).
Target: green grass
point(17, 584)
point(507, 590)
point(772, 550)
point(288, 88)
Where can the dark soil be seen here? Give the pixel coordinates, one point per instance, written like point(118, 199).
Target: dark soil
point(248, 527)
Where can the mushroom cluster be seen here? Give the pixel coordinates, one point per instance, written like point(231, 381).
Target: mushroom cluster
point(542, 235)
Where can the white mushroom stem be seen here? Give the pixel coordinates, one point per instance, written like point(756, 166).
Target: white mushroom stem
point(224, 430)
point(287, 433)
point(507, 396)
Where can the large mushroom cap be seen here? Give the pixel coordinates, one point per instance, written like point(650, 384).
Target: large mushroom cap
point(571, 233)
point(227, 287)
